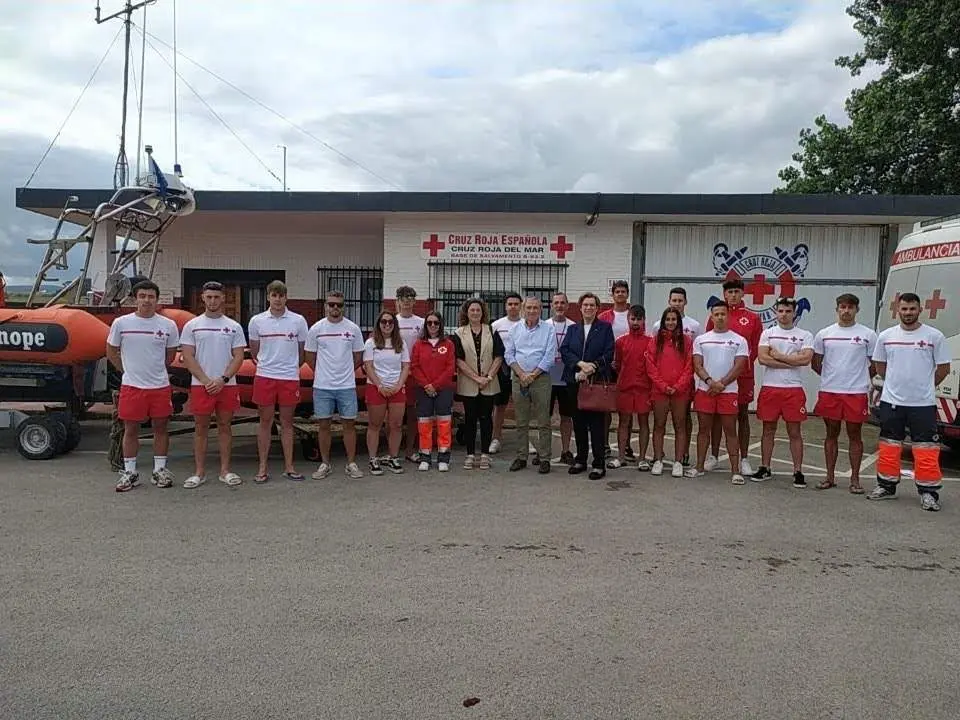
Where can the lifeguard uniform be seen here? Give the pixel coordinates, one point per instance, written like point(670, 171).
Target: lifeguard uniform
point(719, 352)
point(844, 394)
point(781, 391)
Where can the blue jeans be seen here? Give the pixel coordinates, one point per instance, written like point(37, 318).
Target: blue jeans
point(343, 402)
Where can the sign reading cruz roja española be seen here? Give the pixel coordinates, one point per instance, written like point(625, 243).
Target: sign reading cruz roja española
point(504, 246)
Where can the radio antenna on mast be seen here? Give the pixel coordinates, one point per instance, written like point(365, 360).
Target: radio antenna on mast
point(121, 168)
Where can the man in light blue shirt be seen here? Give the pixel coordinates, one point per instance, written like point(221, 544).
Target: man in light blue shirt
point(529, 352)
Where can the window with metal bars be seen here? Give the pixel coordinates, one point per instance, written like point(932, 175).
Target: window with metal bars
point(451, 283)
point(362, 289)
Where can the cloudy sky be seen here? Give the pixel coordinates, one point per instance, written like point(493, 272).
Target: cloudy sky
point(513, 95)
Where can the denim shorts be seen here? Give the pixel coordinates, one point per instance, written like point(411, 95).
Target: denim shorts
point(327, 403)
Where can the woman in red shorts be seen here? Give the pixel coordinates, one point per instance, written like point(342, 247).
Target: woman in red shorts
point(386, 362)
point(670, 367)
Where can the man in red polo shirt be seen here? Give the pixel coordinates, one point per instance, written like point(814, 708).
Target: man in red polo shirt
point(277, 337)
point(745, 323)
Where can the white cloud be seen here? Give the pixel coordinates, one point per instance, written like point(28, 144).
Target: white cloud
point(658, 96)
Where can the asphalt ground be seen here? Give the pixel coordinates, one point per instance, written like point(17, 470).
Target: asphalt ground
point(540, 596)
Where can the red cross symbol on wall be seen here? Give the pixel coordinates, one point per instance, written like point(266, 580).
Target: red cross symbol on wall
point(434, 245)
point(561, 247)
point(893, 306)
point(934, 304)
point(759, 288)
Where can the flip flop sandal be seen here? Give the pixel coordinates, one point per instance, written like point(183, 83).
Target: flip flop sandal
point(825, 485)
point(260, 479)
point(856, 490)
point(293, 476)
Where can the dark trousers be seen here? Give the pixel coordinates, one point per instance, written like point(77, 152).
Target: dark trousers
point(478, 410)
point(437, 406)
point(589, 424)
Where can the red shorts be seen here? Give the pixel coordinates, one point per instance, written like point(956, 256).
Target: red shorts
point(634, 402)
point(745, 390)
point(270, 392)
point(781, 402)
point(722, 404)
point(203, 403)
point(141, 404)
point(372, 396)
point(411, 392)
point(849, 407)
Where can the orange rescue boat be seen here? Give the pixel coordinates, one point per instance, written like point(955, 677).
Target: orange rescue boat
point(56, 335)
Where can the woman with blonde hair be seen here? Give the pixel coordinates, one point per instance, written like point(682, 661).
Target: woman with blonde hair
point(479, 353)
point(386, 363)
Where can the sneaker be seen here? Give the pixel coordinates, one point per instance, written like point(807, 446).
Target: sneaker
point(127, 480)
point(799, 481)
point(484, 462)
point(745, 467)
point(424, 466)
point(566, 458)
point(711, 464)
point(494, 447)
point(443, 467)
point(321, 472)
point(375, 467)
point(395, 465)
point(692, 472)
point(353, 470)
point(614, 463)
point(737, 479)
point(644, 466)
point(468, 462)
point(763, 473)
point(162, 478)
point(517, 464)
point(881, 493)
point(194, 481)
point(929, 502)
point(677, 469)
point(657, 468)
point(413, 457)
point(629, 454)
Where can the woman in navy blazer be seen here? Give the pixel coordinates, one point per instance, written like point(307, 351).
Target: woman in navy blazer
point(587, 352)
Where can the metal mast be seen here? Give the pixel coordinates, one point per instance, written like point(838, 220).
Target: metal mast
point(121, 168)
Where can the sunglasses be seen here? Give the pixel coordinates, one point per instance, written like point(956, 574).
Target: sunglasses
point(386, 322)
point(433, 323)
point(334, 305)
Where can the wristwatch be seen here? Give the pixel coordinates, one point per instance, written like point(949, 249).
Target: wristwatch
point(708, 380)
point(225, 379)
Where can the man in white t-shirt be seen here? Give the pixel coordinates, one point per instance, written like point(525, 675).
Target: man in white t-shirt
point(503, 326)
point(277, 336)
point(334, 351)
point(410, 326)
point(912, 358)
point(784, 350)
point(842, 358)
point(141, 345)
point(691, 328)
point(563, 397)
point(212, 346)
point(719, 357)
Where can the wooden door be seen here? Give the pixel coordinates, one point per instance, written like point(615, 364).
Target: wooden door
point(231, 301)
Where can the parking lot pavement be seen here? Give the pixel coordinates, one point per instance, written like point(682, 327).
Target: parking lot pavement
point(402, 596)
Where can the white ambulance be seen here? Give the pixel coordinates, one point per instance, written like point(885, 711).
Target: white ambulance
point(927, 262)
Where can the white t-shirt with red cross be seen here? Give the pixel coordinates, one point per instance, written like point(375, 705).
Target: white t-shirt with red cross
point(785, 342)
point(912, 357)
point(387, 362)
point(143, 344)
point(846, 355)
point(410, 329)
point(719, 352)
point(334, 343)
point(214, 340)
point(279, 336)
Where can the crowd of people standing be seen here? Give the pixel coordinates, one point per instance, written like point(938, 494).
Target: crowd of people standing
point(608, 363)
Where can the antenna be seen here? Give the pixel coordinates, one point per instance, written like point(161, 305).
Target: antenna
point(121, 168)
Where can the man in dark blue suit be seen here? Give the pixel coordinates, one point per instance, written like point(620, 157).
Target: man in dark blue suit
point(587, 353)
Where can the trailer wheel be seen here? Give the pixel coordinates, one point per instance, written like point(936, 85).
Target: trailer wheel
point(41, 437)
point(72, 426)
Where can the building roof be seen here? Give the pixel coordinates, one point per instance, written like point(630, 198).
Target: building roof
point(51, 200)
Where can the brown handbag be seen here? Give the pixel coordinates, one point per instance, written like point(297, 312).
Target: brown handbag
point(599, 396)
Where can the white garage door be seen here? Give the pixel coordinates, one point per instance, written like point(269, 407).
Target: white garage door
point(812, 263)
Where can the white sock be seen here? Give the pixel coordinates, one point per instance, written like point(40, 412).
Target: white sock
point(130, 464)
point(159, 462)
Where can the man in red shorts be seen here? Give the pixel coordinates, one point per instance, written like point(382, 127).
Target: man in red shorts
point(842, 358)
point(277, 336)
point(784, 351)
point(633, 388)
point(719, 358)
point(212, 346)
point(141, 345)
point(746, 323)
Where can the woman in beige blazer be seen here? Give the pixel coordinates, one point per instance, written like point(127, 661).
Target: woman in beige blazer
point(479, 356)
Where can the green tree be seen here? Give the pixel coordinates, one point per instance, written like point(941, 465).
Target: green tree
point(904, 131)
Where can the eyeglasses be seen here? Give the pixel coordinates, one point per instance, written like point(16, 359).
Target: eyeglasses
point(334, 305)
point(385, 321)
point(213, 285)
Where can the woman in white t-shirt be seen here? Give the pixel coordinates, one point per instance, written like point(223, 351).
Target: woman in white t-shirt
point(386, 363)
